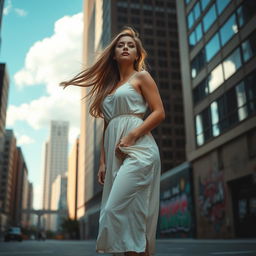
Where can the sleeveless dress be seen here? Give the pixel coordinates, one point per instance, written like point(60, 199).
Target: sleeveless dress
point(130, 199)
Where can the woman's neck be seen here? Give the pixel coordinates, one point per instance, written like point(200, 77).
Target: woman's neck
point(125, 72)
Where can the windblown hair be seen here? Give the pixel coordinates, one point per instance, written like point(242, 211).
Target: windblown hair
point(103, 75)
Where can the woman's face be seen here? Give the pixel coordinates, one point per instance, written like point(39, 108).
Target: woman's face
point(125, 49)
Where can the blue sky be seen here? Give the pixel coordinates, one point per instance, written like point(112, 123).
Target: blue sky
point(41, 45)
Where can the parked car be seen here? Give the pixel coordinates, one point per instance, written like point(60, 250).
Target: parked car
point(13, 233)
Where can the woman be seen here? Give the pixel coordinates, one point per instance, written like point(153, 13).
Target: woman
point(130, 163)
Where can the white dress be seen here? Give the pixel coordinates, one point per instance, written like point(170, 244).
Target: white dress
point(130, 199)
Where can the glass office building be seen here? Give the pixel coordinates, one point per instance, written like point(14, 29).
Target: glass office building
point(218, 64)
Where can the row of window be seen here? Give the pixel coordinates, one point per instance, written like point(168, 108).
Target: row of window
point(207, 21)
point(221, 37)
point(234, 106)
point(210, 16)
point(228, 67)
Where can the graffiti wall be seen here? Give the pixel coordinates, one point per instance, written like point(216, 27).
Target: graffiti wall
point(176, 216)
point(211, 199)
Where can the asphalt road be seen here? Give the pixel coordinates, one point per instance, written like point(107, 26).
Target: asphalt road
point(188, 247)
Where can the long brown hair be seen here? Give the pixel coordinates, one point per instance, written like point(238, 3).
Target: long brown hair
point(103, 75)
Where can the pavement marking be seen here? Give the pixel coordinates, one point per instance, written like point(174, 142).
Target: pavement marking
point(24, 252)
point(236, 252)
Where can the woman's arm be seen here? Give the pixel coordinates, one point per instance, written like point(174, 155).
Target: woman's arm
point(151, 94)
point(102, 151)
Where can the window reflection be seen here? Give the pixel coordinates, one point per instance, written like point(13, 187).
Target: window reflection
point(197, 63)
point(192, 39)
point(199, 130)
point(204, 3)
point(196, 11)
point(231, 106)
point(249, 47)
point(215, 78)
point(201, 91)
point(221, 5)
point(212, 47)
point(232, 63)
point(194, 15)
point(209, 18)
point(247, 50)
point(215, 119)
point(228, 29)
point(190, 19)
point(241, 101)
point(199, 32)
point(251, 92)
point(234, 106)
point(246, 11)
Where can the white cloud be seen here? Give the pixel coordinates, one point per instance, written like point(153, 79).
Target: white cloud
point(49, 62)
point(20, 12)
point(7, 8)
point(25, 139)
point(54, 58)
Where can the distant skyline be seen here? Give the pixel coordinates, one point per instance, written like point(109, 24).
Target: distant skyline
point(41, 45)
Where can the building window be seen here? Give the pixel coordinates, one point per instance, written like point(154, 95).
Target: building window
point(204, 3)
point(215, 118)
point(241, 101)
point(234, 106)
point(231, 106)
point(203, 126)
point(251, 92)
point(228, 30)
point(198, 63)
point(221, 5)
point(212, 47)
point(201, 91)
point(251, 142)
point(196, 11)
point(232, 63)
point(199, 32)
point(246, 11)
point(249, 47)
point(193, 15)
point(209, 18)
point(192, 39)
point(215, 78)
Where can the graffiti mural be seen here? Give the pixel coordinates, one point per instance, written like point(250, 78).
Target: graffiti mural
point(176, 208)
point(212, 199)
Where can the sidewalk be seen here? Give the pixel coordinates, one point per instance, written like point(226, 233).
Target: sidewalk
point(195, 240)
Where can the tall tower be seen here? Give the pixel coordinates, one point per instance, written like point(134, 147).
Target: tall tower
point(218, 61)
point(56, 160)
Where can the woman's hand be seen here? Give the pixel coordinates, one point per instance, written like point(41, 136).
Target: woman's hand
point(126, 141)
point(101, 174)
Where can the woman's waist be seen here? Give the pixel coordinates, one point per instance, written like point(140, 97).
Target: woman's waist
point(126, 115)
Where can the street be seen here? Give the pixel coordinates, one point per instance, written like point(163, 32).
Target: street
point(175, 247)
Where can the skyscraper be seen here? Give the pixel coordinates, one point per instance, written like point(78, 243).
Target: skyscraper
point(56, 155)
point(4, 90)
point(218, 60)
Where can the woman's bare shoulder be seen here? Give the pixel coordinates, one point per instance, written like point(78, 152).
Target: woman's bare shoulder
point(145, 78)
point(144, 75)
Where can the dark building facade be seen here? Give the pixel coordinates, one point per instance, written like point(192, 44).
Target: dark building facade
point(22, 195)
point(218, 63)
point(7, 172)
point(4, 91)
point(156, 22)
